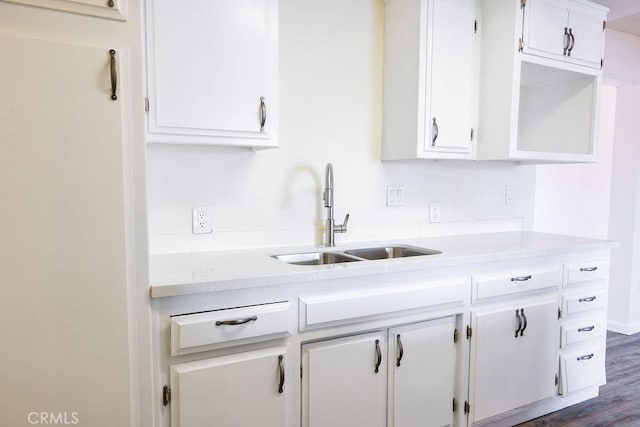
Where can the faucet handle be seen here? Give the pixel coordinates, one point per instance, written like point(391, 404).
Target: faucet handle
point(342, 228)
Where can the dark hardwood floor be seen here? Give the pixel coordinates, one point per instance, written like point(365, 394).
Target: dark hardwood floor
point(619, 402)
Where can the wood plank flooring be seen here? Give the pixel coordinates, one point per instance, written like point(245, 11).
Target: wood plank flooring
point(619, 402)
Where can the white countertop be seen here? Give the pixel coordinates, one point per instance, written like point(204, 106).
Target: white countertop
point(189, 273)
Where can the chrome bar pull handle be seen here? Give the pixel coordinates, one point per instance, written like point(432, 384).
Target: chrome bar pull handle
point(519, 322)
point(524, 319)
point(236, 321)
point(521, 278)
point(378, 356)
point(587, 299)
point(588, 268)
point(281, 368)
point(566, 41)
point(435, 133)
point(114, 74)
point(400, 350)
point(263, 113)
point(573, 42)
point(586, 329)
point(585, 357)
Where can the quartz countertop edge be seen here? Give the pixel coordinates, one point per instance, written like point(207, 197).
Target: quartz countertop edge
point(199, 272)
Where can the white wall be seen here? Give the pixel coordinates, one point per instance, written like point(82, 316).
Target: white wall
point(624, 223)
point(622, 58)
point(330, 92)
point(574, 199)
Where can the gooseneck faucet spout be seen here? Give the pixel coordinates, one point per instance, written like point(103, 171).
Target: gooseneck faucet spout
point(331, 228)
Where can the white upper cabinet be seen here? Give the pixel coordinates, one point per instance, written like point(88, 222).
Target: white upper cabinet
point(428, 83)
point(212, 72)
point(569, 30)
point(539, 88)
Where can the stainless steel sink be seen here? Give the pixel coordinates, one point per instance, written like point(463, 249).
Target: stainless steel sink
point(390, 252)
point(316, 258)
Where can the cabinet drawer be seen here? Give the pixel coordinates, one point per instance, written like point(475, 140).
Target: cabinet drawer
point(357, 305)
point(202, 331)
point(589, 299)
point(511, 282)
point(584, 330)
point(584, 271)
point(581, 369)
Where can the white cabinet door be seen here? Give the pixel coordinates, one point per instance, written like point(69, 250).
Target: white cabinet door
point(422, 374)
point(344, 382)
point(451, 68)
point(587, 29)
point(244, 389)
point(212, 68)
point(545, 23)
point(564, 29)
point(514, 357)
point(62, 169)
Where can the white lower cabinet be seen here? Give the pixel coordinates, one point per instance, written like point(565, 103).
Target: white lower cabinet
point(422, 374)
point(344, 382)
point(367, 380)
point(238, 390)
point(514, 354)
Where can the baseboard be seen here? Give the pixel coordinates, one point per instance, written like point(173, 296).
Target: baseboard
point(623, 327)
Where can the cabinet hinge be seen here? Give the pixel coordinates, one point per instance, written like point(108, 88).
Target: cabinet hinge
point(146, 104)
point(520, 45)
point(301, 371)
point(601, 62)
point(475, 26)
point(166, 395)
point(469, 332)
point(604, 25)
point(559, 313)
point(471, 134)
point(523, 3)
point(455, 335)
point(556, 383)
point(455, 405)
point(467, 407)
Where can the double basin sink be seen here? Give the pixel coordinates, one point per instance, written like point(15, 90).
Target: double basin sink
point(353, 255)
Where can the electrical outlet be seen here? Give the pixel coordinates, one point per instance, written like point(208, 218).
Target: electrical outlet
point(201, 220)
point(434, 212)
point(508, 195)
point(395, 195)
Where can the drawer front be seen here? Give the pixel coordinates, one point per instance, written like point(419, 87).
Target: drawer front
point(201, 331)
point(511, 282)
point(356, 306)
point(585, 330)
point(585, 271)
point(581, 369)
point(584, 301)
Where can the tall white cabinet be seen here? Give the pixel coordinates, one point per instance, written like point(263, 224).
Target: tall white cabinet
point(212, 72)
point(429, 79)
point(67, 218)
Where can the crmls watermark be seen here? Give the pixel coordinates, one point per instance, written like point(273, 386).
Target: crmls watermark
point(53, 418)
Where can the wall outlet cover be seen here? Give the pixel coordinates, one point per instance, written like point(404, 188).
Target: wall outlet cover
point(201, 220)
point(435, 214)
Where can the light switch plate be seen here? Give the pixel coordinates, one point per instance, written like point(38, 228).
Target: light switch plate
point(395, 195)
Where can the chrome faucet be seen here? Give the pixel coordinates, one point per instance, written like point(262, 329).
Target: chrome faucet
point(331, 228)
